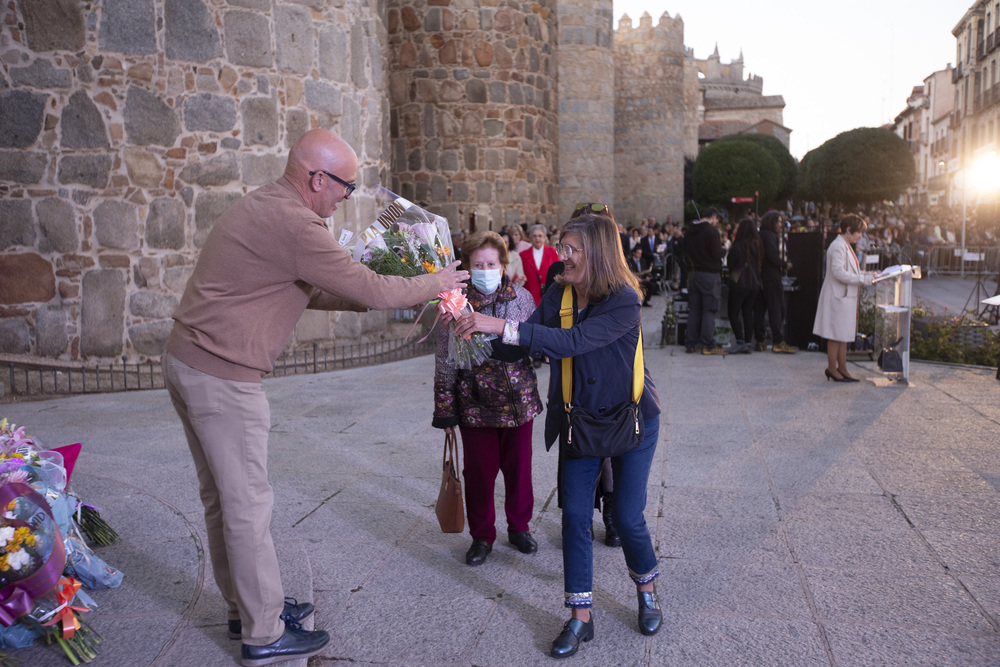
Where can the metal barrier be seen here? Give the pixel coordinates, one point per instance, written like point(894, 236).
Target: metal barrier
point(935, 259)
point(52, 379)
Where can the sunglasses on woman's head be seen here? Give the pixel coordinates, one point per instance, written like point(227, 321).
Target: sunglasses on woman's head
point(600, 209)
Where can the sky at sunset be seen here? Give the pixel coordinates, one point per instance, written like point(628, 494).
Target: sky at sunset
point(838, 65)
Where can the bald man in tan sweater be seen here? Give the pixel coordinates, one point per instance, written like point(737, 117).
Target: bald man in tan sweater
point(268, 258)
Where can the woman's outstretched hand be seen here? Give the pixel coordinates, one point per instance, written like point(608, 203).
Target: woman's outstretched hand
point(469, 323)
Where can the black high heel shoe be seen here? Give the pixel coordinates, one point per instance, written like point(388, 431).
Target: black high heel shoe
point(574, 632)
point(831, 376)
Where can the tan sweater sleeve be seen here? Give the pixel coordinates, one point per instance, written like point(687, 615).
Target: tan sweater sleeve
point(321, 300)
point(322, 263)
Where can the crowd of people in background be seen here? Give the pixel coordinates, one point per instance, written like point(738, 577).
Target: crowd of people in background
point(893, 228)
point(655, 251)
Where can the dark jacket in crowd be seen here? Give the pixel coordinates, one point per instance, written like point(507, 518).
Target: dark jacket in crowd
point(772, 265)
point(743, 256)
point(703, 247)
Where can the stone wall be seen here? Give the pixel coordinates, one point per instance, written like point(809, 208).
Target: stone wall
point(650, 122)
point(586, 105)
point(128, 126)
point(473, 121)
point(694, 106)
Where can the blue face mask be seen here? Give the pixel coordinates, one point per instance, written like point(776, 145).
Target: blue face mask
point(486, 280)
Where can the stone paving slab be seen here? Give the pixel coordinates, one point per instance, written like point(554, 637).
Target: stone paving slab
point(797, 522)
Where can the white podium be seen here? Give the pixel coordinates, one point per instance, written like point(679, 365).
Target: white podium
point(893, 295)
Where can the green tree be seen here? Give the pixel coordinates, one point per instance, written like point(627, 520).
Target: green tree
point(777, 150)
point(808, 182)
point(726, 169)
point(860, 166)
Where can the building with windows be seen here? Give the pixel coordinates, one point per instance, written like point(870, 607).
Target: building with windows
point(975, 118)
point(911, 126)
point(936, 151)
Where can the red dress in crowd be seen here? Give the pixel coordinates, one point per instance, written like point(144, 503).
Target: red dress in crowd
point(535, 275)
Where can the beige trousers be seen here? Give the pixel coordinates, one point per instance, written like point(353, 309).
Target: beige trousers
point(226, 424)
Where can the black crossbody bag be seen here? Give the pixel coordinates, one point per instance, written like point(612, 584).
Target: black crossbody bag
point(600, 436)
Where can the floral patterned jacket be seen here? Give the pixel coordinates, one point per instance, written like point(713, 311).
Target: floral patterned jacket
point(497, 394)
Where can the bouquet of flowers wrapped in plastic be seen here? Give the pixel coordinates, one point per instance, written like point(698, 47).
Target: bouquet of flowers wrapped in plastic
point(406, 240)
point(44, 559)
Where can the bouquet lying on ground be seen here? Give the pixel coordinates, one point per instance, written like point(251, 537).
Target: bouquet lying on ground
point(406, 240)
point(44, 559)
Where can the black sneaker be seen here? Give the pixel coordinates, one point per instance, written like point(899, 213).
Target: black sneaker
point(294, 643)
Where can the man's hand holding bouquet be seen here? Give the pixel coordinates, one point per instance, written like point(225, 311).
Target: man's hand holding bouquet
point(407, 240)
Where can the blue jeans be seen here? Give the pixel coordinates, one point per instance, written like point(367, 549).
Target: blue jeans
point(704, 296)
point(577, 483)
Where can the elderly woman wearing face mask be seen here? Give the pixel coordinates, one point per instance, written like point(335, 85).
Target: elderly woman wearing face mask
point(493, 405)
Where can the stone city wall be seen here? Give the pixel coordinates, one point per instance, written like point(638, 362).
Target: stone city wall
point(650, 122)
point(694, 107)
point(128, 126)
point(586, 105)
point(473, 121)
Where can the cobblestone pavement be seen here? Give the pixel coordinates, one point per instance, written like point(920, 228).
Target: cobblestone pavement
point(797, 522)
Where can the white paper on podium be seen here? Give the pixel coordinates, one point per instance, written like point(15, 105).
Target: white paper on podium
point(992, 301)
point(890, 269)
point(895, 270)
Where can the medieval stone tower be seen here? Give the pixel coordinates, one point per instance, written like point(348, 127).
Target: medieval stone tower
point(473, 122)
point(649, 118)
point(586, 105)
point(128, 126)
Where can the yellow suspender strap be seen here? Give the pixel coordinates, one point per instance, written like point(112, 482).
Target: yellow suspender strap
point(566, 319)
point(638, 377)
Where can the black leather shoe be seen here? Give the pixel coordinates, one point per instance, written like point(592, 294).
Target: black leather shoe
point(650, 616)
point(294, 643)
point(477, 553)
point(292, 613)
point(574, 632)
point(523, 542)
point(611, 537)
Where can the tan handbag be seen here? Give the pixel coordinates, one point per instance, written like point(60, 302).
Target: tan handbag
point(449, 509)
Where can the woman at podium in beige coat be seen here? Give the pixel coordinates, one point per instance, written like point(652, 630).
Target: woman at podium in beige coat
point(837, 310)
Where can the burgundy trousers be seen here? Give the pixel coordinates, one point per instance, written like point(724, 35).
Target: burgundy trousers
point(486, 451)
